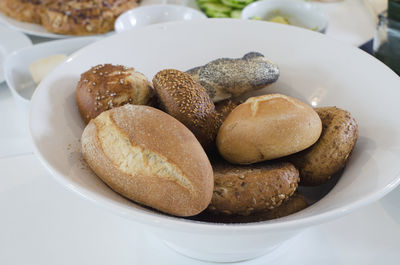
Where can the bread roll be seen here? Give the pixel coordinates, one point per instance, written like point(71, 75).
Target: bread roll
point(107, 86)
point(188, 102)
point(245, 190)
point(231, 77)
point(267, 127)
point(330, 153)
point(149, 157)
point(294, 204)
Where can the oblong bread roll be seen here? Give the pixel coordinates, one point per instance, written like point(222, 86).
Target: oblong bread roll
point(149, 157)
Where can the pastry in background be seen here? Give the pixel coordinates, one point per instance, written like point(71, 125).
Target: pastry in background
point(106, 86)
point(77, 17)
point(25, 10)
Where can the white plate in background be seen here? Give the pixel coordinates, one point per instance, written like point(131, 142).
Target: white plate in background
point(10, 41)
point(35, 29)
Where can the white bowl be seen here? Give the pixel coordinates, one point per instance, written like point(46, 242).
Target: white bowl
point(319, 71)
point(153, 14)
point(16, 65)
point(299, 13)
point(11, 40)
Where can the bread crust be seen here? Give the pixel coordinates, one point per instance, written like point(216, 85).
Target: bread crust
point(164, 168)
point(267, 127)
point(332, 150)
point(294, 204)
point(104, 87)
point(245, 190)
point(231, 77)
point(188, 102)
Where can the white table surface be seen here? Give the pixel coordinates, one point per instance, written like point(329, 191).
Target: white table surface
point(43, 223)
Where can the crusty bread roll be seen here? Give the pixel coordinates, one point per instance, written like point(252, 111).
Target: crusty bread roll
point(188, 102)
point(330, 153)
point(245, 190)
point(149, 157)
point(267, 127)
point(294, 204)
point(107, 86)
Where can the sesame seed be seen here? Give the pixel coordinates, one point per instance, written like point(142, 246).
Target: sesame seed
point(94, 83)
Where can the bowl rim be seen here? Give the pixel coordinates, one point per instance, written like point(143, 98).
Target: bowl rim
point(166, 221)
point(9, 78)
point(310, 7)
point(146, 8)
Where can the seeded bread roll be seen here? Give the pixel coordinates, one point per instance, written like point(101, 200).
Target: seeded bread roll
point(75, 17)
point(267, 127)
point(332, 150)
point(245, 190)
point(294, 204)
point(149, 157)
point(231, 77)
point(106, 86)
point(188, 102)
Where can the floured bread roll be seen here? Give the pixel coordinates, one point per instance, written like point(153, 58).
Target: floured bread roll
point(107, 86)
point(149, 157)
point(267, 127)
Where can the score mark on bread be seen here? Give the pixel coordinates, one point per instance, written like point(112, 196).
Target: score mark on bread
point(149, 157)
point(129, 157)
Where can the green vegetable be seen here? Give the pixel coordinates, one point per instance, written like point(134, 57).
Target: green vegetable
point(236, 3)
point(236, 13)
point(223, 8)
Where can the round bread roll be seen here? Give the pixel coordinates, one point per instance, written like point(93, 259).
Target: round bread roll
point(107, 86)
point(245, 190)
point(149, 157)
point(267, 127)
point(188, 102)
point(332, 150)
point(294, 204)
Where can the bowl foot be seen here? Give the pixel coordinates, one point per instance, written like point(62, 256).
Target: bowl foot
point(268, 254)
